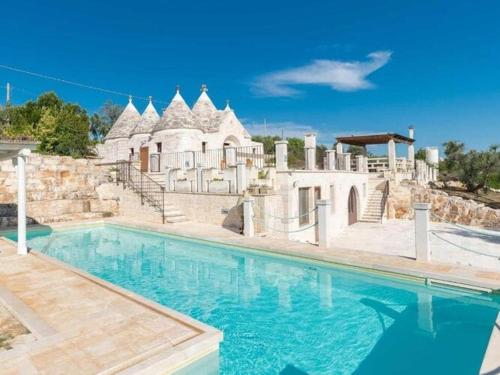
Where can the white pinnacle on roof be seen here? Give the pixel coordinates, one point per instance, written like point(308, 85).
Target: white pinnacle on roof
point(204, 110)
point(227, 108)
point(148, 119)
point(126, 122)
point(204, 106)
point(177, 115)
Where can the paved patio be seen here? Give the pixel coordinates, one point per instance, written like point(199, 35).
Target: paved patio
point(82, 325)
point(449, 243)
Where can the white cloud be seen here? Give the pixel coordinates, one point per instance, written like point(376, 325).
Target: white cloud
point(339, 75)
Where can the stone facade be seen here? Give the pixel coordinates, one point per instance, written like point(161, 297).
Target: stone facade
point(450, 208)
point(58, 189)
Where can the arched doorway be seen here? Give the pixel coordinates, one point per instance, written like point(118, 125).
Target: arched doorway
point(352, 206)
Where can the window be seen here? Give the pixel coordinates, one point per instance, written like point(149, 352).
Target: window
point(158, 147)
point(332, 198)
point(303, 206)
point(132, 151)
point(203, 147)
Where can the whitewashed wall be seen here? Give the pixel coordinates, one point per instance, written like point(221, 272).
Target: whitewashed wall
point(342, 181)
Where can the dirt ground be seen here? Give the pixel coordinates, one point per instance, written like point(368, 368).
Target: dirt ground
point(10, 328)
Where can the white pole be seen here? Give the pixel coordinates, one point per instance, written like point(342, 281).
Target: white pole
point(422, 247)
point(324, 209)
point(21, 201)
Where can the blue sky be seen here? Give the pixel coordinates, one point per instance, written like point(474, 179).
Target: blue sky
point(333, 66)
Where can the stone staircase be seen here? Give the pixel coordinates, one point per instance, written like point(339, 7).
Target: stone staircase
point(373, 212)
point(130, 204)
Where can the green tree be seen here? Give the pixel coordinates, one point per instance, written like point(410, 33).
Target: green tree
point(479, 167)
point(420, 154)
point(475, 169)
point(61, 128)
point(102, 121)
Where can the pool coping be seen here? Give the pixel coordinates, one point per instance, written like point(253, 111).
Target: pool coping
point(158, 359)
point(491, 359)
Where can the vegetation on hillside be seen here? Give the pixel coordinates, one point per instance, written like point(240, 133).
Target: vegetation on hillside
point(296, 157)
point(476, 170)
point(61, 128)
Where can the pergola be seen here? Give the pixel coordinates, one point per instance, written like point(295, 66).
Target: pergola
point(18, 150)
point(374, 139)
point(381, 138)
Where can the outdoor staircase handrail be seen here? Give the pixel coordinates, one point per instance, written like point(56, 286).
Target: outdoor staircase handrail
point(149, 190)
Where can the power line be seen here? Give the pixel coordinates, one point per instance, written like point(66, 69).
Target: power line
point(77, 84)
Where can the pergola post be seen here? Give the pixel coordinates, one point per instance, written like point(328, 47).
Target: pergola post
point(411, 148)
point(22, 249)
point(391, 154)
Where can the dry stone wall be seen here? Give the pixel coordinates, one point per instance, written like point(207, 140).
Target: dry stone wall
point(450, 208)
point(58, 188)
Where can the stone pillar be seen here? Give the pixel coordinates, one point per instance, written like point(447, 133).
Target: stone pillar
point(330, 160)
point(281, 155)
point(230, 156)
point(248, 227)
point(365, 164)
point(241, 177)
point(411, 147)
point(422, 247)
point(22, 249)
point(339, 148)
point(347, 161)
point(359, 163)
point(391, 155)
point(324, 209)
point(168, 178)
point(199, 178)
point(310, 151)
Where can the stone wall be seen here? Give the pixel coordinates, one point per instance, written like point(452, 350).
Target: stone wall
point(450, 208)
point(57, 189)
point(218, 209)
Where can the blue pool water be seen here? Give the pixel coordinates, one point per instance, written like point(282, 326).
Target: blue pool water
point(286, 317)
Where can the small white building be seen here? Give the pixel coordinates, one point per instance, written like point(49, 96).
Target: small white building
point(180, 129)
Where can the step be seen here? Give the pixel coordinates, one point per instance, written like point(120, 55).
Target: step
point(177, 219)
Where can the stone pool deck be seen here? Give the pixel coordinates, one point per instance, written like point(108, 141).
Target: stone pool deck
point(83, 325)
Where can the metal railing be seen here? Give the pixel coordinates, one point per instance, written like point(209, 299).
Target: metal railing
point(217, 158)
point(149, 190)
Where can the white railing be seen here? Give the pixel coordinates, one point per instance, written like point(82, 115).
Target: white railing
point(252, 156)
point(378, 164)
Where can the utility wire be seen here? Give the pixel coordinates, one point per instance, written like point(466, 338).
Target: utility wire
point(77, 84)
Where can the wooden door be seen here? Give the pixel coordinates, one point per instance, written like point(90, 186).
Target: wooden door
point(352, 206)
point(144, 159)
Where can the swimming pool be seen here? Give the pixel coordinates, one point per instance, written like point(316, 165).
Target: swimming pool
point(284, 316)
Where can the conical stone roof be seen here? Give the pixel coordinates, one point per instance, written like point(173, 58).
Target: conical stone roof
point(148, 120)
point(125, 123)
point(177, 115)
